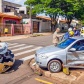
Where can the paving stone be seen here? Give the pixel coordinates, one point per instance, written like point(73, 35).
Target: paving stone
point(47, 74)
point(63, 76)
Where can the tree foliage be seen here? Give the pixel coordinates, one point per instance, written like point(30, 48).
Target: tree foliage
point(69, 8)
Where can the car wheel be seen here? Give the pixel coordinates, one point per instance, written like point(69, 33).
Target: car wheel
point(54, 66)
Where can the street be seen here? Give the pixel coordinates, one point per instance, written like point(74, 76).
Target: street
point(38, 41)
point(24, 50)
point(21, 72)
point(41, 42)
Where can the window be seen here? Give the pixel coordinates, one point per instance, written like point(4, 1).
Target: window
point(81, 48)
point(79, 45)
point(22, 12)
point(7, 10)
point(10, 21)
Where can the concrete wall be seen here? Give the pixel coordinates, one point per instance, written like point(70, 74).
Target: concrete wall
point(9, 13)
point(45, 26)
point(25, 15)
point(22, 9)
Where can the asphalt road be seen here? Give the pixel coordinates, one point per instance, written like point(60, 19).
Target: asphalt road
point(24, 50)
point(38, 41)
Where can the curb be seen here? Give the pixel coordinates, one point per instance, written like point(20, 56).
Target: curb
point(61, 77)
point(9, 38)
point(12, 38)
point(35, 68)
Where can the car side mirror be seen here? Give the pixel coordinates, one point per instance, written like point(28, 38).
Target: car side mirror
point(72, 50)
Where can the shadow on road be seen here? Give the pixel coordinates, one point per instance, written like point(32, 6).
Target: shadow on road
point(15, 66)
point(45, 69)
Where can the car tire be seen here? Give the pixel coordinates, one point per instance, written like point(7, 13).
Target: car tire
point(54, 66)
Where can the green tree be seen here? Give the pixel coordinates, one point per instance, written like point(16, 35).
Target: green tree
point(69, 8)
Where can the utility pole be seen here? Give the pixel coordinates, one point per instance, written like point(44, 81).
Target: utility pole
point(30, 16)
point(58, 21)
point(30, 12)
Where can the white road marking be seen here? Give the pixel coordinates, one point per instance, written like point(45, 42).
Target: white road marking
point(16, 46)
point(8, 43)
point(27, 57)
point(24, 52)
point(12, 44)
point(21, 48)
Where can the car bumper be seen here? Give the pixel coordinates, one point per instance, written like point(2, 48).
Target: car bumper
point(41, 62)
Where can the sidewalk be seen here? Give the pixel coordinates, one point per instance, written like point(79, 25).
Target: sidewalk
point(8, 38)
point(75, 77)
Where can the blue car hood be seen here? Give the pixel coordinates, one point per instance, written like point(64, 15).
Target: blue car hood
point(48, 49)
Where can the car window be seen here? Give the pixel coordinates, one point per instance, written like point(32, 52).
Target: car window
point(79, 45)
point(81, 48)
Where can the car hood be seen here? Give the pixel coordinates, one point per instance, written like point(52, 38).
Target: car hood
point(49, 49)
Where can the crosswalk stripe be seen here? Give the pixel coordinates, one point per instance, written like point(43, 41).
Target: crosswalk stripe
point(21, 48)
point(12, 44)
point(20, 53)
point(27, 57)
point(8, 43)
point(16, 46)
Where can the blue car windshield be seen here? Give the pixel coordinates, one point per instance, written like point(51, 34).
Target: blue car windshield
point(65, 43)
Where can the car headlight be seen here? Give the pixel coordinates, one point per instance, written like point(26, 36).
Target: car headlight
point(43, 56)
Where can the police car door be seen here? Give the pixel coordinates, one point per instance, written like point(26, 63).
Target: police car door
point(76, 58)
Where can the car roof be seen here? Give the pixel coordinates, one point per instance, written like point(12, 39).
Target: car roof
point(78, 37)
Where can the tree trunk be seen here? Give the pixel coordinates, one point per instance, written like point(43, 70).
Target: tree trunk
point(69, 22)
point(52, 27)
point(53, 22)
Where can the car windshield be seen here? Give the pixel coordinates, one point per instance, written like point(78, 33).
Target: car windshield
point(65, 43)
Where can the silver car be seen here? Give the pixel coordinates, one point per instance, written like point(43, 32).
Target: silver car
point(68, 53)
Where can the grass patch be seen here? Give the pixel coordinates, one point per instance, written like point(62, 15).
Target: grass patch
point(35, 35)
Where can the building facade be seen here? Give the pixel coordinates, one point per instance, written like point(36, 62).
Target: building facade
point(8, 6)
point(44, 24)
point(13, 9)
point(7, 19)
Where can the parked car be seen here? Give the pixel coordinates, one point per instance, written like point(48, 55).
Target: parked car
point(69, 53)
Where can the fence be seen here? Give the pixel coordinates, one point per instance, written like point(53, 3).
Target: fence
point(3, 26)
point(18, 29)
point(15, 29)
